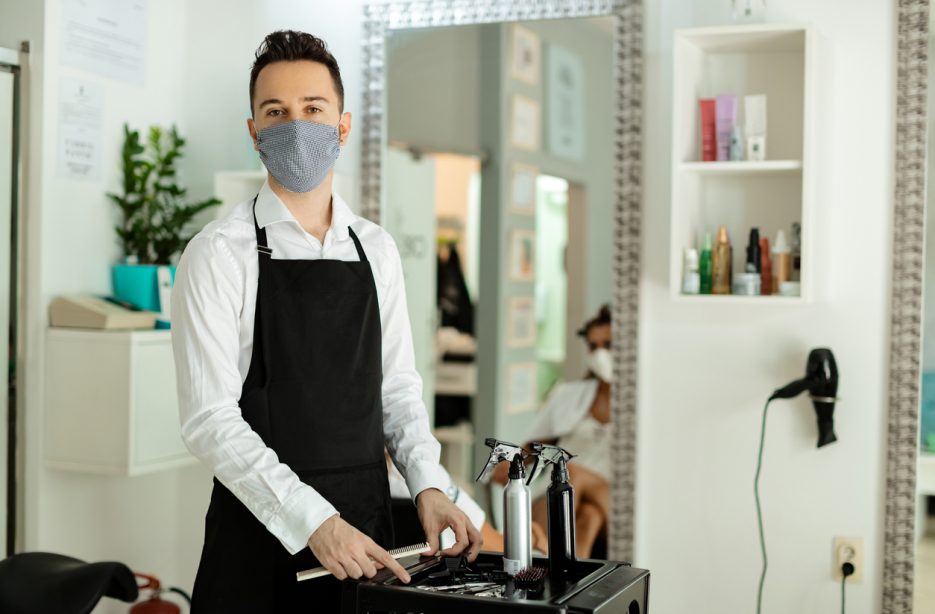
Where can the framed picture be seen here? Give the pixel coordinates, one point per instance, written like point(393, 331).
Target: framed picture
point(523, 255)
point(525, 55)
point(524, 123)
point(523, 189)
point(521, 388)
point(565, 115)
point(521, 329)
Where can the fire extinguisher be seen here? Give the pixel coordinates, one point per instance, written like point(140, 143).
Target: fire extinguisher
point(155, 604)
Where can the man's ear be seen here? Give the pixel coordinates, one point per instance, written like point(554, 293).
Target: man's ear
point(344, 127)
point(251, 128)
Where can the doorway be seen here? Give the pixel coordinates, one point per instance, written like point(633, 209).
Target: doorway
point(9, 197)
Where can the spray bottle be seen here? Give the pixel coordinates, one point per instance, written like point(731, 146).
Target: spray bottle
point(561, 508)
point(517, 505)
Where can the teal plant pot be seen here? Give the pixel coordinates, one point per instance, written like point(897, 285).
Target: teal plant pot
point(136, 284)
point(927, 415)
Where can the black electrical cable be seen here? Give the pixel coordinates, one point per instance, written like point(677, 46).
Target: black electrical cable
point(759, 511)
point(847, 569)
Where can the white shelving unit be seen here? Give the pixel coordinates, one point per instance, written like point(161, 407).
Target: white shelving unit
point(776, 60)
point(111, 405)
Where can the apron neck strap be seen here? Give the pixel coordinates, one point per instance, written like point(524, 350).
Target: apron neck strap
point(262, 245)
point(360, 250)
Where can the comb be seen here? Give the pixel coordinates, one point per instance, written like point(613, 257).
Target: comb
point(397, 553)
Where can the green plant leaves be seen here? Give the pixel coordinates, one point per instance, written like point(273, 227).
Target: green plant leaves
point(152, 204)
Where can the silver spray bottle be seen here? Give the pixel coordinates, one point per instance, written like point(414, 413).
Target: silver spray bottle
point(517, 526)
point(517, 506)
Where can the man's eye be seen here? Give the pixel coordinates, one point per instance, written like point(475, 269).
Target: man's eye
point(313, 110)
point(274, 112)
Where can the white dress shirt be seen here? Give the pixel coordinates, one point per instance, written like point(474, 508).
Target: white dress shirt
point(213, 306)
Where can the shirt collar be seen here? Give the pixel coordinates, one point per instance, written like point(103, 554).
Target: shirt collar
point(270, 210)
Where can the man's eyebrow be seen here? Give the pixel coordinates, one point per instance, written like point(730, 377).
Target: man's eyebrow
point(305, 99)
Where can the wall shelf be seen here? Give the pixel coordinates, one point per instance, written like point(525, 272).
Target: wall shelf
point(742, 168)
point(736, 299)
point(775, 60)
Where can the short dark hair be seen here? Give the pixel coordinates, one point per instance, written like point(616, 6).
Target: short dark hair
point(291, 46)
point(603, 317)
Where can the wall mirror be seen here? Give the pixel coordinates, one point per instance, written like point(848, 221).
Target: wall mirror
point(501, 149)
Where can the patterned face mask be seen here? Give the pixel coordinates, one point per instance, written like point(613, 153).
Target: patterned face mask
point(299, 154)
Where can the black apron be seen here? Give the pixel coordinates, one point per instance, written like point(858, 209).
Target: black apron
point(313, 393)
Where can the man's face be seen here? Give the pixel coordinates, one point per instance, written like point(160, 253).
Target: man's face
point(286, 91)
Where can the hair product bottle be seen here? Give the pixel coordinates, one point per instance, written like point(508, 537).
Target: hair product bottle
point(517, 513)
point(704, 266)
point(721, 263)
point(782, 261)
point(796, 251)
point(754, 263)
point(766, 268)
point(691, 282)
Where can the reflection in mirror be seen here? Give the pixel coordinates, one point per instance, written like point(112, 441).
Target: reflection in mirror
point(924, 600)
point(498, 190)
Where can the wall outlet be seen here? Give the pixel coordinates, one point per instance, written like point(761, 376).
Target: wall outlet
point(848, 550)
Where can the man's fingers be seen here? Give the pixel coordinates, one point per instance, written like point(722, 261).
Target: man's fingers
point(353, 569)
point(432, 538)
point(336, 569)
point(476, 541)
point(382, 556)
point(460, 530)
point(366, 565)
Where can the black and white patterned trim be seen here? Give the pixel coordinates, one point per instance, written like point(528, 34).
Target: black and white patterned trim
point(906, 321)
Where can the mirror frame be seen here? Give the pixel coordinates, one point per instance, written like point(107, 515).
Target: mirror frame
point(381, 18)
point(902, 442)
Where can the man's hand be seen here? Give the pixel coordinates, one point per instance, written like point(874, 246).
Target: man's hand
point(348, 553)
point(437, 512)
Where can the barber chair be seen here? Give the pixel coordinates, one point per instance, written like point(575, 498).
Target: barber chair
point(43, 582)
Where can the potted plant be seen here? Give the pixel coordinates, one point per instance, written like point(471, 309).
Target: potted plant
point(155, 215)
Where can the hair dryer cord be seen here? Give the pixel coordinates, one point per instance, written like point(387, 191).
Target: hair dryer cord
point(759, 511)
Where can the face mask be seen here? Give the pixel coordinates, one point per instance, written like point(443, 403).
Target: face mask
point(601, 364)
point(299, 154)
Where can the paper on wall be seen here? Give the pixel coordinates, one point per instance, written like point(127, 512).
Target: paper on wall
point(105, 37)
point(81, 111)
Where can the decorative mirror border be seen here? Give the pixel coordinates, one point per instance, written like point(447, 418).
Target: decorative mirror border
point(628, 73)
point(906, 320)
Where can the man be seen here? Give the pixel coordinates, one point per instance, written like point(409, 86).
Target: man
point(295, 365)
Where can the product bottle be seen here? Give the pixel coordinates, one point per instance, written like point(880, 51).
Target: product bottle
point(561, 509)
point(766, 268)
point(753, 252)
point(517, 515)
point(721, 265)
point(782, 261)
point(704, 266)
point(796, 251)
point(736, 144)
point(691, 281)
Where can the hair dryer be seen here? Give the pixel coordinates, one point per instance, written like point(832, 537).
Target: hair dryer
point(821, 381)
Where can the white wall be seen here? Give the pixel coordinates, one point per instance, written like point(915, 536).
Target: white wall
point(706, 369)
point(696, 524)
